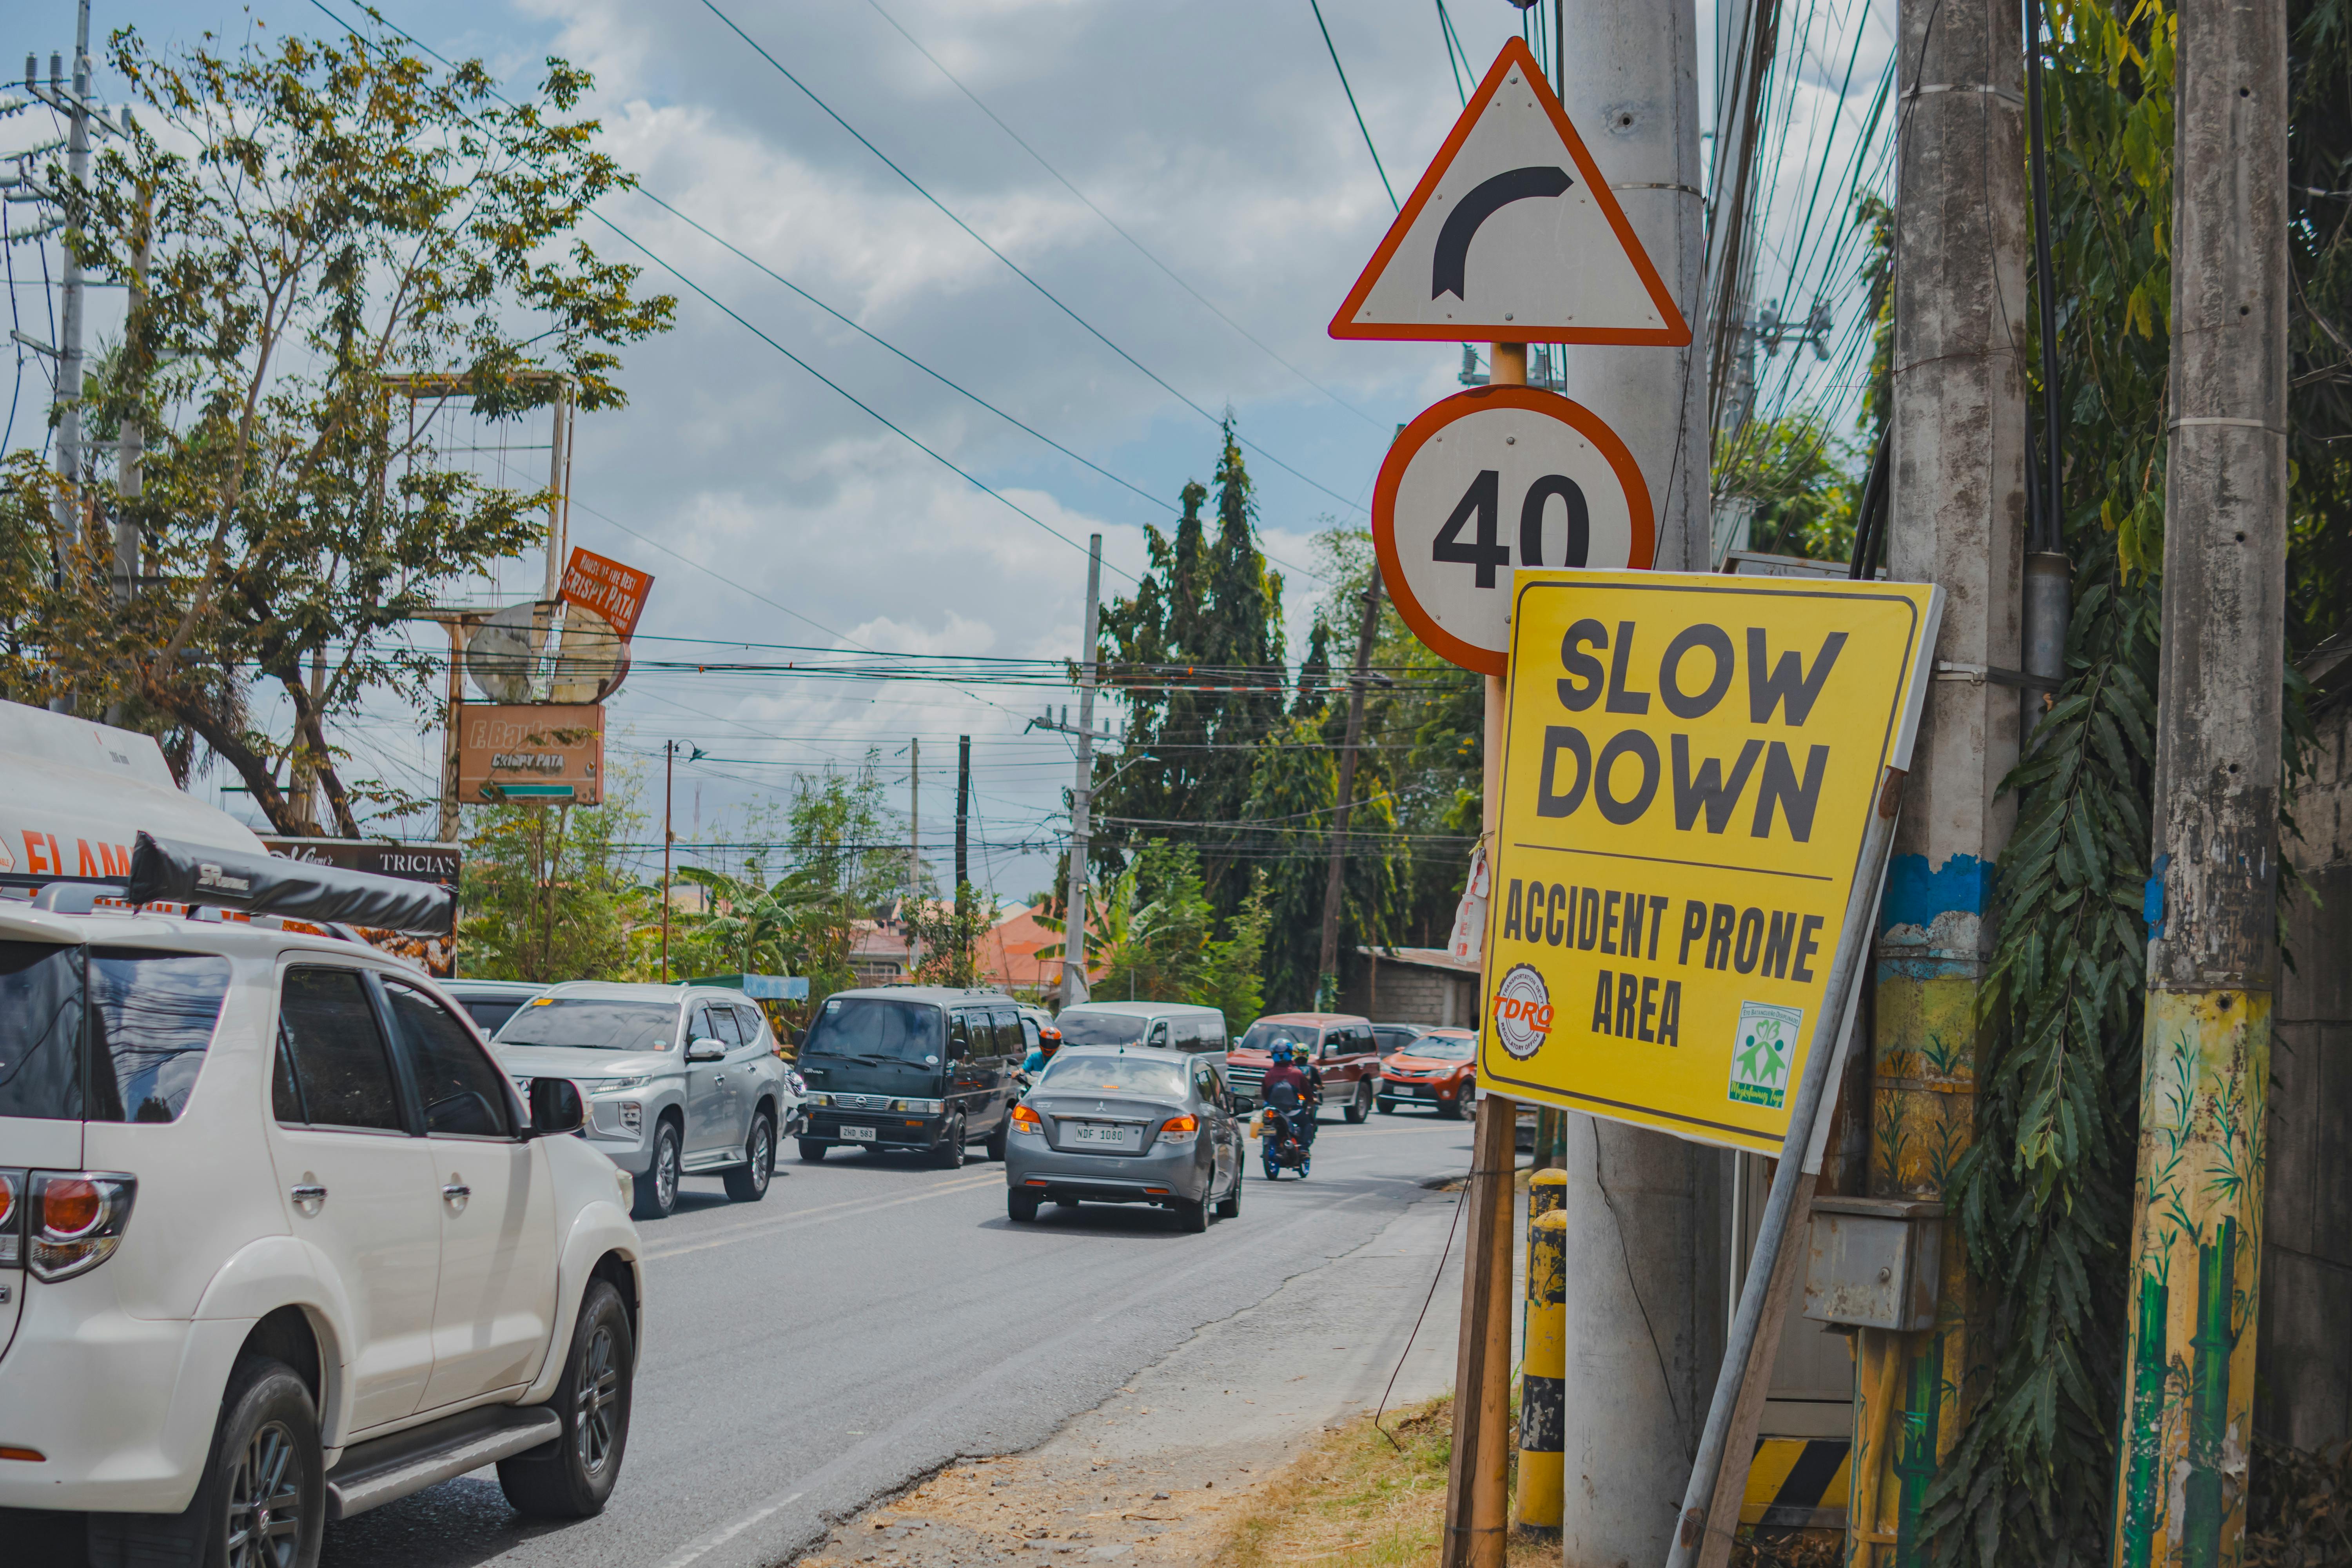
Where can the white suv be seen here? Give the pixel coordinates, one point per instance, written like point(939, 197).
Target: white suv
point(279, 1242)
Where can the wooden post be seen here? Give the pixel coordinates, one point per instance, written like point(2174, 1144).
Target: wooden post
point(1477, 1484)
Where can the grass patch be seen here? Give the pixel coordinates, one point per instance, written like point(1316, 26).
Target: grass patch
point(1355, 1501)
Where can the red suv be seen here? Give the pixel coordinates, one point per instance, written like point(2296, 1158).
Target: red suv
point(1340, 1045)
point(1436, 1070)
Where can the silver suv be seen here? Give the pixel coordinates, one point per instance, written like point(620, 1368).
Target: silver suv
point(681, 1080)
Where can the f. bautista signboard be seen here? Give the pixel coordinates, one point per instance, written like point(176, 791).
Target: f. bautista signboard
point(548, 752)
point(1689, 765)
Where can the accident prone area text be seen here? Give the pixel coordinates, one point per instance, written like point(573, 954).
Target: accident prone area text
point(1775, 944)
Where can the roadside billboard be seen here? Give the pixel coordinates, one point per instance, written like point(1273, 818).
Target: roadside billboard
point(550, 753)
point(1689, 765)
point(617, 593)
point(440, 863)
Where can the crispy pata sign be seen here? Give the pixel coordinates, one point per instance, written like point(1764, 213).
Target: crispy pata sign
point(616, 592)
point(531, 751)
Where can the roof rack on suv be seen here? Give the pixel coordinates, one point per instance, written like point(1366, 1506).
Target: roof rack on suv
point(168, 878)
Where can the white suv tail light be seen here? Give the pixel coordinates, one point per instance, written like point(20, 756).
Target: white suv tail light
point(12, 1219)
point(72, 1220)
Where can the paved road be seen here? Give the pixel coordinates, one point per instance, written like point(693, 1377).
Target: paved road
point(871, 1319)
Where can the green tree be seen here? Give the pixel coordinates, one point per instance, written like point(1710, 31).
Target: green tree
point(320, 215)
point(548, 895)
point(1424, 722)
point(949, 932)
point(1805, 479)
point(1197, 654)
point(1151, 936)
point(1294, 797)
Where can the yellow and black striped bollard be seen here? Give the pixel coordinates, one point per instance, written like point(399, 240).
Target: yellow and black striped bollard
point(1544, 1360)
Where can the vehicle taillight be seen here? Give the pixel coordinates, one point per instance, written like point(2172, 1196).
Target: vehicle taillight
point(1180, 1130)
point(12, 1219)
point(1027, 1120)
point(75, 1220)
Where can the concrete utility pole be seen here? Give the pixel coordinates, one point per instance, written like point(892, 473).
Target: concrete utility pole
point(1958, 514)
point(963, 810)
point(1475, 1490)
point(1639, 1213)
point(670, 780)
point(2212, 956)
point(914, 844)
point(1629, 83)
point(1074, 922)
point(1327, 986)
point(71, 294)
point(131, 447)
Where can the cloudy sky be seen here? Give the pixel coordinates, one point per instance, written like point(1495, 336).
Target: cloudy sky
point(773, 511)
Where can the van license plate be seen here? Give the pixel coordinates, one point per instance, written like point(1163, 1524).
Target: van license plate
point(858, 1134)
point(1085, 1133)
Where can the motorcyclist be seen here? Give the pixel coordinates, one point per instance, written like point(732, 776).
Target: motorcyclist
point(1049, 1040)
point(1294, 1071)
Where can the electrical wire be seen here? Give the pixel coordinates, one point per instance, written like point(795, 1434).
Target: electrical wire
point(1045, 293)
point(884, 342)
point(1114, 228)
point(874, 414)
point(1316, 7)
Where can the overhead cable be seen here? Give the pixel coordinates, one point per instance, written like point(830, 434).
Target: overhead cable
point(1138, 245)
point(877, 415)
point(1048, 294)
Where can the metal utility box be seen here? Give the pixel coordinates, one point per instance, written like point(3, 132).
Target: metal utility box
point(1875, 1263)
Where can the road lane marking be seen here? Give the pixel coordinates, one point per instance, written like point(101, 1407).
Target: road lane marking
point(860, 1207)
point(1014, 1363)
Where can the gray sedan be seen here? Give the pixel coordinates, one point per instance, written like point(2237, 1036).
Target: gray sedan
point(1127, 1126)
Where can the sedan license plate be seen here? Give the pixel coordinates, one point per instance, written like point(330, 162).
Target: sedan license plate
point(1085, 1133)
point(858, 1134)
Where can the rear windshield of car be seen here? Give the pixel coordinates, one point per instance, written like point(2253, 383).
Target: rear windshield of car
point(1442, 1048)
point(1116, 1074)
point(594, 1023)
point(108, 1034)
point(490, 1017)
point(1262, 1035)
point(1099, 1028)
point(872, 1027)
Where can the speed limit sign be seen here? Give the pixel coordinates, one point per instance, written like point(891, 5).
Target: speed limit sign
point(1489, 481)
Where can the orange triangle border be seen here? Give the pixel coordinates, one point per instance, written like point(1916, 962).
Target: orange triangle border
point(1676, 333)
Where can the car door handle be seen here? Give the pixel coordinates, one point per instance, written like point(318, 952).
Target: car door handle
point(308, 1192)
point(457, 1190)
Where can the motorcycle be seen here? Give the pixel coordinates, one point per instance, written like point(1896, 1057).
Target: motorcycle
point(1281, 1137)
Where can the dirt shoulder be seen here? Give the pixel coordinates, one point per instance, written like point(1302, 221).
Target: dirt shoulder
point(1162, 1472)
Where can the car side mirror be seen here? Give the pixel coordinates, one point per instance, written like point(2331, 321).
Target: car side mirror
point(705, 1049)
point(556, 1107)
point(957, 1051)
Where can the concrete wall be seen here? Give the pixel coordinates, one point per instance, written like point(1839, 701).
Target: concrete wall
point(1393, 991)
point(2304, 1377)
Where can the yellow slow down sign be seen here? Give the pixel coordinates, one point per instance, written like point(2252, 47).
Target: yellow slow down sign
point(1688, 768)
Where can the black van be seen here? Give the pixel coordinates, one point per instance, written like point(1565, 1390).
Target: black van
point(916, 1068)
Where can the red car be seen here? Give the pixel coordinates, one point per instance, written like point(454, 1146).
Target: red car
point(1436, 1071)
point(1340, 1045)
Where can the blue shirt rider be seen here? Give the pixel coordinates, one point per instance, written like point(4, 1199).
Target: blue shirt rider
point(1049, 1040)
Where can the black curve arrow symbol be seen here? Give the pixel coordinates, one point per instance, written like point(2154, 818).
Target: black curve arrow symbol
point(1446, 276)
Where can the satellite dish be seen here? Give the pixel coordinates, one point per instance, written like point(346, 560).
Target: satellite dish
point(592, 657)
point(502, 655)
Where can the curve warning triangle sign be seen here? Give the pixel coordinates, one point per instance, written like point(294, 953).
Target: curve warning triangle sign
point(1513, 236)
